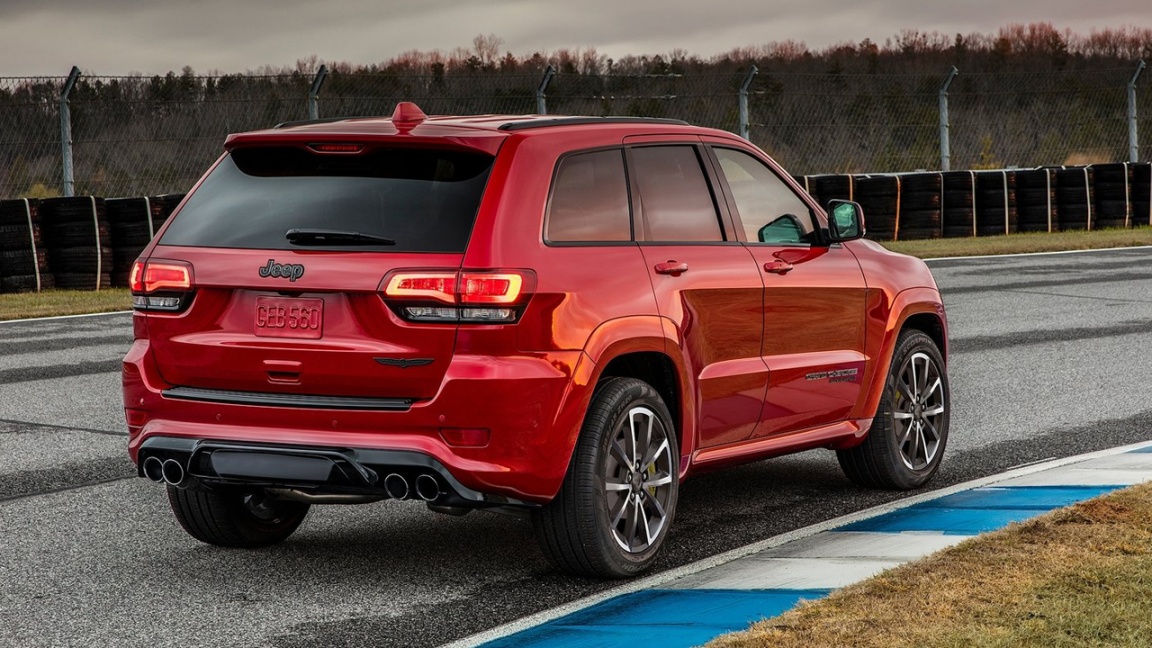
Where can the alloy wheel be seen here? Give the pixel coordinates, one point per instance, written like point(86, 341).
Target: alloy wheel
point(638, 480)
point(918, 409)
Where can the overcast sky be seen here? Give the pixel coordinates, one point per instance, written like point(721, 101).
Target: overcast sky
point(115, 37)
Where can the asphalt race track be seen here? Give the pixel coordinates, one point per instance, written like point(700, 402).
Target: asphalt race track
point(1051, 357)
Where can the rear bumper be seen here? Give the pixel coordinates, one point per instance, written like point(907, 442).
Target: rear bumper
point(310, 469)
point(532, 405)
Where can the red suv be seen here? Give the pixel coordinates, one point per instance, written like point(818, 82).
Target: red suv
point(563, 315)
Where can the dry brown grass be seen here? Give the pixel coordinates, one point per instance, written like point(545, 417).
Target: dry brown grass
point(63, 302)
point(1080, 576)
point(1021, 243)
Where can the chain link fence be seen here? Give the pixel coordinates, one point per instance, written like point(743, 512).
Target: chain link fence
point(1053, 118)
point(156, 135)
point(30, 151)
point(838, 123)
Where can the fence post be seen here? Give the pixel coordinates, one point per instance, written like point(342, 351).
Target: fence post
point(541, 104)
point(945, 136)
point(752, 72)
point(1133, 140)
point(314, 92)
point(66, 132)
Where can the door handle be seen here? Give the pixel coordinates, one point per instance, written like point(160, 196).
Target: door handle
point(671, 267)
point(777, 266)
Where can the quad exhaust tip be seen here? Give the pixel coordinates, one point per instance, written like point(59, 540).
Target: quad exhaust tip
point(427, 488)
point(154, 470)
point(172, 472)
point(396, 486)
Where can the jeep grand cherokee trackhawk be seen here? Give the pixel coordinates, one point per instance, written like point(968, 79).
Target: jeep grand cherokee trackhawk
point(565, 315)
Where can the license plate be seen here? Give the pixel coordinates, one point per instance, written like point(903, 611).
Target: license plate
point(289, 317)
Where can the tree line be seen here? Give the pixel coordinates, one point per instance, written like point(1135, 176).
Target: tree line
point(1026, 95)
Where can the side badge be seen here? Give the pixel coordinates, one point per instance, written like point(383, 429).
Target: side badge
point(404, 363)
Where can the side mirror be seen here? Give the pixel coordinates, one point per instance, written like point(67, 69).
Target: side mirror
point(785, 229)
point(845, 221)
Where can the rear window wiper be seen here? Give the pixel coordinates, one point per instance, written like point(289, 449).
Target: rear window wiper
point(334, 237)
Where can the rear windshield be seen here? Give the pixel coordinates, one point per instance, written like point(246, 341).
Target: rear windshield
point(423, 199)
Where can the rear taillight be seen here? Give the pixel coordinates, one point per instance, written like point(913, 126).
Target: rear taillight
point(161, 285)
point(472, 296)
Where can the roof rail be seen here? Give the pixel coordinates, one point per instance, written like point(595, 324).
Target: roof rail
point(577, 121)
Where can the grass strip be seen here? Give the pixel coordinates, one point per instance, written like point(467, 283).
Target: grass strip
point(51, 303)
point(1080, 576)
point(1024, 243)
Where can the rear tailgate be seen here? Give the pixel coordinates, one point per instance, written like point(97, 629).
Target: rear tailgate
point(272, 315)
point(239, 334)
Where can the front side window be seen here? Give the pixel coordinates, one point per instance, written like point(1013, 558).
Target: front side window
point(674, 193)
point(770, 211)
point(590, 199)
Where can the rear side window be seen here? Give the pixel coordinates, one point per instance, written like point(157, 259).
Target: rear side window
point(423, 199)
point(590, 199)
point(674, 193)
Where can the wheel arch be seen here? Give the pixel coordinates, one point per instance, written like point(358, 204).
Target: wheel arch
point(638, 347)
point(916, 308)
point(932, 325)
point(656, 369)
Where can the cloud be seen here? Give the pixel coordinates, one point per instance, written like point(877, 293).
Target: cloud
point(120, 36)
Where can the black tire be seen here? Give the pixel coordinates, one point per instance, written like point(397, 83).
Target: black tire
point(238, 518)
point(919, 233)
point(23, 262)
point(576, 530)
point(80, 259)
point(958, 218)
point(78, 235)
point(920, 201)
point(26, 283)
point(883, 461)
point(81, 280)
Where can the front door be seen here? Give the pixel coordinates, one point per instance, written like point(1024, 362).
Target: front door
point(814, 296)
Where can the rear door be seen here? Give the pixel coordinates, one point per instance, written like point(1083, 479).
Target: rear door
point(814, 296)
point(705, 282)
point(306, 316)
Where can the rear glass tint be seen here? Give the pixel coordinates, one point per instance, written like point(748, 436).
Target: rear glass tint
point(423, 199)
point(590, 199)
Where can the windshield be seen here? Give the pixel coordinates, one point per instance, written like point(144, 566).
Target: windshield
point(423, 199)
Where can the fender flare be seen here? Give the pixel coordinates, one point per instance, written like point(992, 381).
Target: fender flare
point(909, 302)
point(613, 339)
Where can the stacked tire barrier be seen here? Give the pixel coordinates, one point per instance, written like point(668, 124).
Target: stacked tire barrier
point(1074, 198)
point(957, 203)
point(920, 196)
point(996, 203)
point(832, 187)
point(985, 203)
point(1141, 194)
point(23, 258)
point(1110, 195)
point(1036, 205)
point(77, 235)
point(83, 243)
point(133, 223)
point(880, 198)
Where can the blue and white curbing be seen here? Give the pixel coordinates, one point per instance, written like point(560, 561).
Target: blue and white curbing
point(690, 605)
